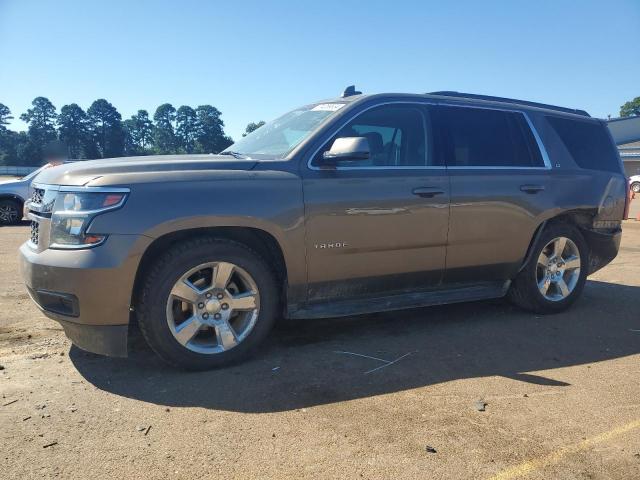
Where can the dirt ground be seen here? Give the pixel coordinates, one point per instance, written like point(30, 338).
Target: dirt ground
point(561, 395)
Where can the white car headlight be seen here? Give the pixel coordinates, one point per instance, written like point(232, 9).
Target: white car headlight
point(72, 213)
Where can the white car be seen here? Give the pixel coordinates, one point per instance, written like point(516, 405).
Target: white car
point(13, 194)
point(634, 183)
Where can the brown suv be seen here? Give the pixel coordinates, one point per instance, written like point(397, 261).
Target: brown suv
point(346, 206)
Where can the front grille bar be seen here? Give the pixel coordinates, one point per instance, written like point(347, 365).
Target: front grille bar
point(35, 232)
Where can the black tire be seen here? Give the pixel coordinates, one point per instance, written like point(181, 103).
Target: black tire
point(524, 291)
point(156, 286)
point(10, 212)
point(635, 187)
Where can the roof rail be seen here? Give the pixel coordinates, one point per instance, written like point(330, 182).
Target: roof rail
point(509, 100)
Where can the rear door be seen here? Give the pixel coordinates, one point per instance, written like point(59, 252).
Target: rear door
point(499, 176)
point(378, 226)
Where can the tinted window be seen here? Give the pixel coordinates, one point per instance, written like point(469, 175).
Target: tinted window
point(278, 137)
point(588, 143)
point(488, 138)
point(396, 135)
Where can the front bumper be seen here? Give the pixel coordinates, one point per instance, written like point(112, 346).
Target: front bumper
point(87, 291)
point(110, 340)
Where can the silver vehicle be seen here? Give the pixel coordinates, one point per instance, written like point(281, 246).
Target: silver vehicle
point(13, 194)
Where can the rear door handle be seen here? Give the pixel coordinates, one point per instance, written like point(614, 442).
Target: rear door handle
point(532, 188)
point(427, 192)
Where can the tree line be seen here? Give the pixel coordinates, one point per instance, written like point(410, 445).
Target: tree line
point(100, 132)
point(631, 108)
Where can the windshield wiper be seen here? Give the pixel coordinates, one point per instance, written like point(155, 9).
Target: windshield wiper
point(232, 154)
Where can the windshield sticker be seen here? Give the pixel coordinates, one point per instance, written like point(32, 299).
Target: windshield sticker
point(327, 107)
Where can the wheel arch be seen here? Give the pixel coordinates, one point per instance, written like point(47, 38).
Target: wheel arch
point(14, 197)
point(579, 218)
point(261, 241)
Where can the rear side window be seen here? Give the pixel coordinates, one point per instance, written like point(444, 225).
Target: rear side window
point(588, 143)
point(478, 137)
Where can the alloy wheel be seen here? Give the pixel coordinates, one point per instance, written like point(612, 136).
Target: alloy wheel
point(213, 307)
point(558, 269)
point(8, 213)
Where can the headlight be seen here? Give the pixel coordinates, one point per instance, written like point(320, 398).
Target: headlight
point(73, 212)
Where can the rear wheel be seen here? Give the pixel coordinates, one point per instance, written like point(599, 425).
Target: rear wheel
point(635, 187)
point(555, 274)
point(206, 303)
point(10, 213)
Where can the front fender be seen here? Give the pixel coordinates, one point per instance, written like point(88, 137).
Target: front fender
point(269, 201)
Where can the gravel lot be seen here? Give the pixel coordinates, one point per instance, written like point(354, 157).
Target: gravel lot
point(561, 395)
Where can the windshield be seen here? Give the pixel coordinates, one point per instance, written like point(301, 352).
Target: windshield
point(277, 138)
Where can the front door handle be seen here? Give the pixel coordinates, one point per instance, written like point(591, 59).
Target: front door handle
point(532, 188)
point(427, 192)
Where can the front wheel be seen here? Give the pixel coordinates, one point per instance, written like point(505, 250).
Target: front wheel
point(206, 303)
point(10, 213)
point(635, 187)
point(556, 272)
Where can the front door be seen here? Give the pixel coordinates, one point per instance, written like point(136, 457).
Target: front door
point(378, 226)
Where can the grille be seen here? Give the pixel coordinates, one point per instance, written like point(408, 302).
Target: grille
point(38, 194)
point(35, 232)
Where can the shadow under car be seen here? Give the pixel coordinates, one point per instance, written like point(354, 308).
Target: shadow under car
point(315, 362)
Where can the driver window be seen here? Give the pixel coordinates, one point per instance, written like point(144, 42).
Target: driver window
point(396, 135)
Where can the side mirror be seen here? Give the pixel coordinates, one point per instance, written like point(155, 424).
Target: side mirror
point(348, 148)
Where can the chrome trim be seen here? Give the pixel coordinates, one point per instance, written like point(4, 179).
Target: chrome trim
point(534, 131)
point(71, 188)
point(36, 207)
point(34, 232)
point(88, 214)
point(402, 167)
point(84, 246)
point(67, 189)
point(44, 224)
point(541, 147)
point(35, 218)
point(493, 167)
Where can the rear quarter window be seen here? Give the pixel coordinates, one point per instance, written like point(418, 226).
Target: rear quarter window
point(588, 143)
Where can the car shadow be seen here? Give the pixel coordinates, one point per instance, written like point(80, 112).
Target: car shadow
point(317, 362)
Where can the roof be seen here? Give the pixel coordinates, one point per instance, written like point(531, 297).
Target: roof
point(527, 103)
point(465, 98)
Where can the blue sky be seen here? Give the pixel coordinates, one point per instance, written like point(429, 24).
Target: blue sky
point(254, 60)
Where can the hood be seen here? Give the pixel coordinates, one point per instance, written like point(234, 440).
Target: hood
point(152, 168)
point(9, 182)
